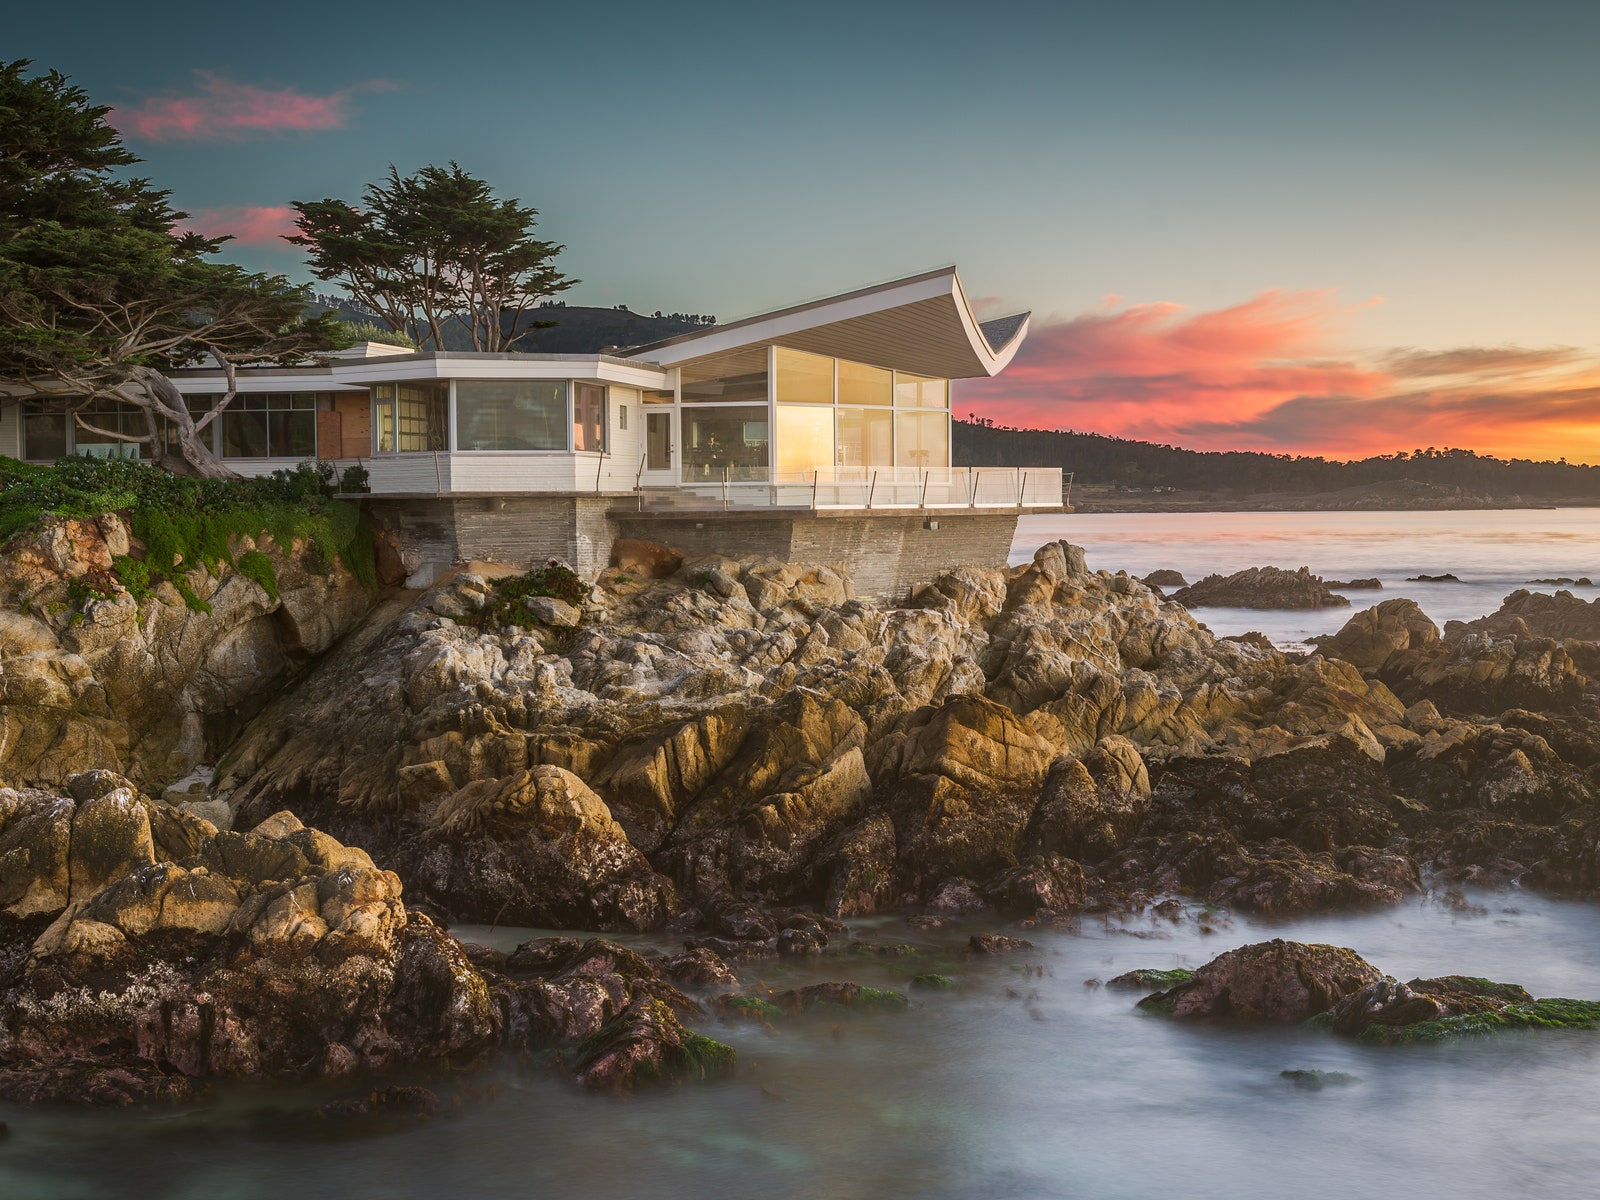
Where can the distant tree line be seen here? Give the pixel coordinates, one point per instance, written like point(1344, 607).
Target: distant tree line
point(1098, 459)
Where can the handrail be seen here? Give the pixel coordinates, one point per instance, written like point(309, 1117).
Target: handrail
point(1066, 489)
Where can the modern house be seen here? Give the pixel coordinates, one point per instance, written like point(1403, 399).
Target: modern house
point(815, 433)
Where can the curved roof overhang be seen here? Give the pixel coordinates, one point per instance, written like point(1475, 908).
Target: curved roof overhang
point(922, 324)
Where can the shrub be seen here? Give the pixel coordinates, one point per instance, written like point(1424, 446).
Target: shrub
point(508, 601)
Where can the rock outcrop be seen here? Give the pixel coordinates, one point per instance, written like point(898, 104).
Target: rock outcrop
point(1261, 587)
point(92, 678)
point(1286, 982)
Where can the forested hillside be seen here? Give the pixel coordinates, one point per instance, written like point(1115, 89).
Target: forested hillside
point(1098, 459)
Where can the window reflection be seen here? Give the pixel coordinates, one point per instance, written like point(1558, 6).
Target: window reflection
point(723, 443)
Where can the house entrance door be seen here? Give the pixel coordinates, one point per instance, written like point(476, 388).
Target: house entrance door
point(659, 450)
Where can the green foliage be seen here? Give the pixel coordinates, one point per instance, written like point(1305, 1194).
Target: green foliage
point(508, 602)
point(97, 288)
point(189, 523)
point(432, 251)
point(351, 332)
point(355, 479)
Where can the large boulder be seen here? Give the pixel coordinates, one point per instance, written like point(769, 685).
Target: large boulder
point(1274, 981)
point(1368, 638)
point(542, 847)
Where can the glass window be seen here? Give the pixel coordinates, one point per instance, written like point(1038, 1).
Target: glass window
point(588, 416)
point(622, 416)
point(730, 379)
point(112, 417)
point(416, 418)
point(267, 424)
point(861, 384)
point(922, 440)
point(383, 438)
point(724, 443)
point(519, 414)
point(804, 378)
point(44, 434)
point(920, 391)
point(656, 397)
point(805, 437)
point(866, 437)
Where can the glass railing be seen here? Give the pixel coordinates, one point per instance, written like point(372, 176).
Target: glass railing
point(872, 487)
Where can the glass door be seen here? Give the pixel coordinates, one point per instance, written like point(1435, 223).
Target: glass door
point(658, 448)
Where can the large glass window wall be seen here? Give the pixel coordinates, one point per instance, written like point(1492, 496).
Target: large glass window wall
point(519, 414)
point(725, 442)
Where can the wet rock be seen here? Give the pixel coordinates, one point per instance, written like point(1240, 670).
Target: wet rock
point(1274, 981)
point(646, 1045)
point(1166, 578)
point(996, 943)
point(1445, 578)
point(410, 1103)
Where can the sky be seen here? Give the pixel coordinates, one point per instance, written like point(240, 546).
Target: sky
point(1337, 229)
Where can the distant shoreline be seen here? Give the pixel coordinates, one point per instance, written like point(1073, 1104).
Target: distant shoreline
point(1108, 500)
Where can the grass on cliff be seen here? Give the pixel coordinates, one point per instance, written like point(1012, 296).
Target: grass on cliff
point(186, 522)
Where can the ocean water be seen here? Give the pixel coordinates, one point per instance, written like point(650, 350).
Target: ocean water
point(1492, 552)
point(1027, 1081)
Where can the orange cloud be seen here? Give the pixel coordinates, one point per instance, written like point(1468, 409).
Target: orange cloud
point(1268, 374)
point(258, 225)
point(226, 109)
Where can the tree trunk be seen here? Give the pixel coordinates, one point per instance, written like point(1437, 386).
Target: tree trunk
point(194, 456)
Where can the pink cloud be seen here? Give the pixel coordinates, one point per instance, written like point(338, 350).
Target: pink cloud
point(226, 109)
point(1271, 374)
point(249, 225)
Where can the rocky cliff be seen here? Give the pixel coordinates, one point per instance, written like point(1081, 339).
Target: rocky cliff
point(91, 677)
point(1047, 738)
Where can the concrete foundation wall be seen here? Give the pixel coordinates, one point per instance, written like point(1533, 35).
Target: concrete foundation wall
point(884, 554)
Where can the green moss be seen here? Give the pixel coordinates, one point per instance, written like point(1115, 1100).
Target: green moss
point(1553, 1013)
point(257, 567)
point(706, 1057)
point(934, 983)
point(1152, 978)
point(752, 1008)
point(878, 1000)
point(1159, 1003)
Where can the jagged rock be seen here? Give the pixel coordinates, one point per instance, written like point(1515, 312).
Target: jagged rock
point(248, 958)
point(541, 846)
point(1166, 578)
point(1368, 638)
point(646, 1044)
point(1275, 981)
point(1261, 587)
point(147, 688)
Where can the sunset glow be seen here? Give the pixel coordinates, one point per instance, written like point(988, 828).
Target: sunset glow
point(1275, 373)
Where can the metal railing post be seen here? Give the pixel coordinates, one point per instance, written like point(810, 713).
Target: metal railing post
point(725, 471)
point(438, 477)
point(973, 474)
point(1022, 488)
point(872, 489)
point(816, 476)
point(638, 485)
point(599, 464)
point(923, 501)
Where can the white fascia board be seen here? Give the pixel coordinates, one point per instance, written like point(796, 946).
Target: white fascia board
point(360, 375)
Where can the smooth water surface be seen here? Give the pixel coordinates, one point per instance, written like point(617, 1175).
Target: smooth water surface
point(1493, 552)
point(1023, 1083)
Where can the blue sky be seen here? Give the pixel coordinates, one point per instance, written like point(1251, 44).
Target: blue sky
point(1429, 170)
